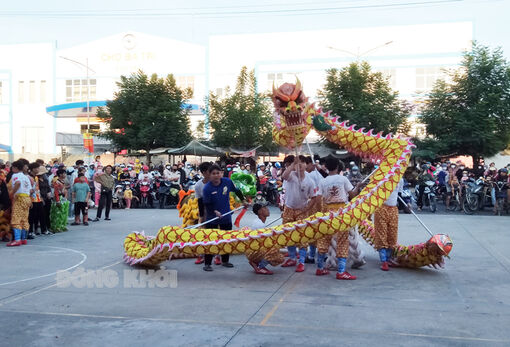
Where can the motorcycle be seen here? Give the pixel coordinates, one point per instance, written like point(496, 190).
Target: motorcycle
point(500, 190)
point(272, 192)
point(168, 194)
point(190, 183)
point(455, 200)
point(429, 196)
point(407, 198)
point(145, 188)
point(118, 197)
point(473, 198)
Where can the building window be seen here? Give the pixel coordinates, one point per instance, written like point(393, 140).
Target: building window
point(274, 78)
point(31, 92)
point(76, 90)
point(21, 92)
point(43, 91)
point(184, 82)
point(279, 78)
point(390, 75)
point(94, 128)
point(426, 77)
point(32, 139)
point(219, 92)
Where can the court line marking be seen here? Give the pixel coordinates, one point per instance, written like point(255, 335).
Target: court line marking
point(16, 298)
point(279, 326)
point(275, 307)
point(84, 258)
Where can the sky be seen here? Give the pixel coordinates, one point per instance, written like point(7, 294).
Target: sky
point(71, 22)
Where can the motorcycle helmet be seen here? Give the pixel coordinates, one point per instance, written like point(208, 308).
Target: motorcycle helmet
point(145, 168)
point(277, 165)
point(122, 165)
point(355, 169)
point(125, 169)
point(503, 170)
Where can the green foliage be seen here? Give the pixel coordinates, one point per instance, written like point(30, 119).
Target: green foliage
point(471, 115)
point(147, 113)
point(241, 119)
point(363, 97)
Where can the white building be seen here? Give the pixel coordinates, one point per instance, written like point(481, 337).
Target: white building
point(40, 81)
point(412, 56)
point(43, 90)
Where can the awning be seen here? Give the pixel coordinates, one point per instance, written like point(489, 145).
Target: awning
point(320, 150)
point(76, 140)
point(161, 150)
point(195, 148)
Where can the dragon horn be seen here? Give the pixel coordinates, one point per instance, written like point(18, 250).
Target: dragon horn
point(297, 90)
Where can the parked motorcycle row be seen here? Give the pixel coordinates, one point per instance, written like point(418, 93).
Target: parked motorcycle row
point(470, 196)
point(155, 193)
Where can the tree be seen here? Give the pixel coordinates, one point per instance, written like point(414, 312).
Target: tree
point(363, 97)
point(147, 113)
point(471, 114)
point(243, 118)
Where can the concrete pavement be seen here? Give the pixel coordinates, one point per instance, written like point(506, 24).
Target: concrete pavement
point(467, 303)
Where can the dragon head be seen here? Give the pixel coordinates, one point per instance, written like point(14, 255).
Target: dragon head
point(290, 103)
point(441, 244)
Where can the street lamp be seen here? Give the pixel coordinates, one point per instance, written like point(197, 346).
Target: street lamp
point(358, 55)
point(86, 66)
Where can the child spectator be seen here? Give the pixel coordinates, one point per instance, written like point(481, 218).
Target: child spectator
point(81, 196)
point(128, 196)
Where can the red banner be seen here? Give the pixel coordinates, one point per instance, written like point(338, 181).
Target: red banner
point(88, 142)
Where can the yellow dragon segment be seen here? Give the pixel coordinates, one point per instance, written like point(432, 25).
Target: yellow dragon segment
point(294, 119)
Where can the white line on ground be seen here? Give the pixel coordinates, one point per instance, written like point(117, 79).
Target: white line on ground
point(84, 258)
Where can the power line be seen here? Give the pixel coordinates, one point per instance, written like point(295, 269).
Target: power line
point(205, 12)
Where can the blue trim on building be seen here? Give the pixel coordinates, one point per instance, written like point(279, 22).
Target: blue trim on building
point(96, 103)
point(71, 105)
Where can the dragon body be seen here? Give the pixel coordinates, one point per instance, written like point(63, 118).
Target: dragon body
point(294, 118)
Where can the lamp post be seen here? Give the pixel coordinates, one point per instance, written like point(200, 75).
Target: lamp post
point(358, 55)
point(88, 137)
point(86, 66)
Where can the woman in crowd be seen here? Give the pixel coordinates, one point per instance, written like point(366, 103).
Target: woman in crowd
point(60, 205)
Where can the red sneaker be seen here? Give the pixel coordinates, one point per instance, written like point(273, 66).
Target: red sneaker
point(263, 271)
point(289, 262)
point(14, 243)
point(300, 267)
point(345, 276)
point(321, 272)
point(23, 242)
point(254, 265)
point(217, 260)
point(199, 260)
point(384, 266)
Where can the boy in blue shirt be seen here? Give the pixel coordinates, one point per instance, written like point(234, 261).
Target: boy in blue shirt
point(216, 199)
point(81, 196)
